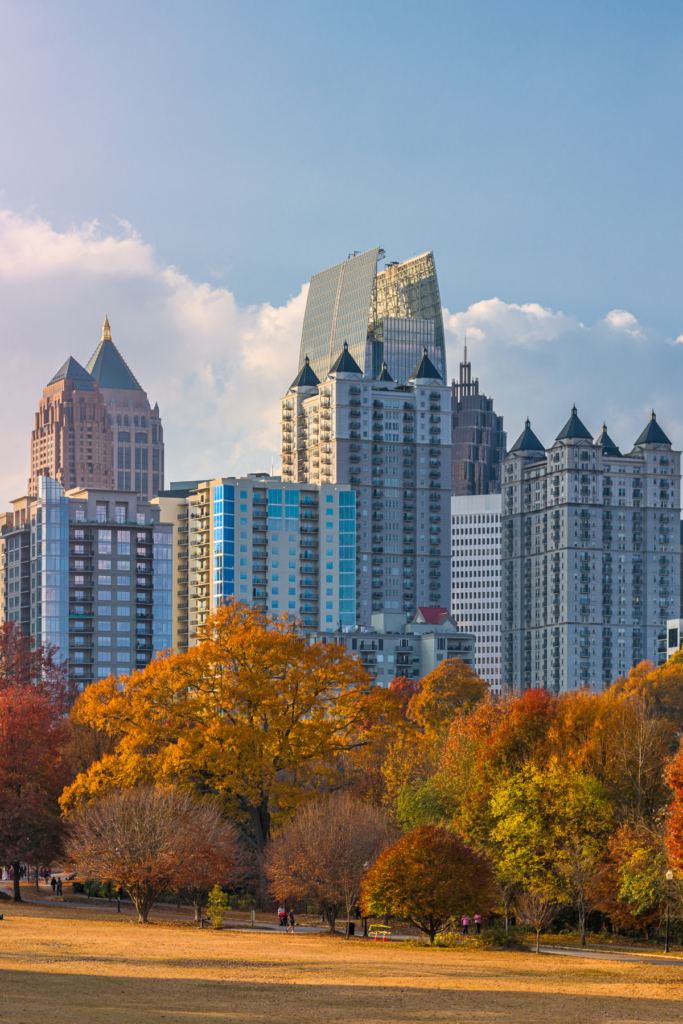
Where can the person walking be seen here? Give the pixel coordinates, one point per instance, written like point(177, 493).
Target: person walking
point(59, 887)
point(477, 923)
point(53, 883)
point(282, 916)
point(465, 924)
point(291, 921)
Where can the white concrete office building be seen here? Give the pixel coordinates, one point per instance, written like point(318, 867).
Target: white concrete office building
point(475, 578)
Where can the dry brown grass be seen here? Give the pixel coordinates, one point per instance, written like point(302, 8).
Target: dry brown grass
point(61, 964)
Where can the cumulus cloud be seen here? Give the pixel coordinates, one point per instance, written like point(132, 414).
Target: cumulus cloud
point(537, 362)
point(217, 369)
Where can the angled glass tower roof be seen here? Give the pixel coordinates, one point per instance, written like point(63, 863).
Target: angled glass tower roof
point(384, 317)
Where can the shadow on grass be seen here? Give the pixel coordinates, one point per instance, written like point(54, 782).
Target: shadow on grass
point(38, 996)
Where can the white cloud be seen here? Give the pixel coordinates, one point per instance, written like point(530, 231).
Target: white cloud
point(217, 369)
point(537, 362)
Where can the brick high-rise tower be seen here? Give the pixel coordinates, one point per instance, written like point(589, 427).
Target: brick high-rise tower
point(478, 438)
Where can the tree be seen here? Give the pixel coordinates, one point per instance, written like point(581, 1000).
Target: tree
point(23, 664)
point(552, 824)
point(218, 905)
point(34, 768)
point(144, 840)
point(251, 713)
point(219, 858)
point(536, 909)
point(323, 852)
point(428, 877)
point(451, 685)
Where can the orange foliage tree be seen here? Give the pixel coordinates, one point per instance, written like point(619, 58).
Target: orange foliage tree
point(427, 878)
point(251, 713)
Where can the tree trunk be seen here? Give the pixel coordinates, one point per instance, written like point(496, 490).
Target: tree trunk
point(197, 904)
point(433, 928)
point(582, 921)
point(331, 916)
point(507, 916)
point(37, 878)
point(538, 940)
point(17, 890)
point(260, 820)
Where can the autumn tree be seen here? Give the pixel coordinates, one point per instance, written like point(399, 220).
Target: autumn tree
point(538, 910)
point(450, 686)
point(324, 851)
point(628, 882)
point(251, 713)
point(23, 663)
point(552, 824)
point(428, 877)
point(34, 768)
point(219, 857)
point(145, 839)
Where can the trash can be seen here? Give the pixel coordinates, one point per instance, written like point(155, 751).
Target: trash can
point(351, 928)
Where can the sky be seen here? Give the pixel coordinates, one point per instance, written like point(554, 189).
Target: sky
point(185, 168)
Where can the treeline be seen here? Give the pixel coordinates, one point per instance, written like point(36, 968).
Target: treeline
point(255, 760)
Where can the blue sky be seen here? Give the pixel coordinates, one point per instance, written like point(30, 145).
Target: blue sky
point(535, 147)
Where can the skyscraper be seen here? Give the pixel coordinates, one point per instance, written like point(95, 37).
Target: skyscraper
point(95, 428)
point(590, 556)
point(391, 443)
point(370, 407)
point(386, 317)
point(478, 437)
point(71, 441)
point(137, 434)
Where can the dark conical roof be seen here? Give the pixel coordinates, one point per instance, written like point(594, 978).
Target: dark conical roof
point(73, 371)
point(653, 433)
point(384, 374)
point(306, 377)
point(425, 369)
point(527, 441)
point(108, 366)
point(345, 363)
point(573, 428)
point(606, 443)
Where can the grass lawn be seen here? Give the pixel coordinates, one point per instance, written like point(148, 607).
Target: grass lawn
point(63, 964)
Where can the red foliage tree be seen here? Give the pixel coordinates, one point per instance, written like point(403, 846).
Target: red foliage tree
point(674, 836)
point(427, 878)
point(24, 664)
point(34, 768)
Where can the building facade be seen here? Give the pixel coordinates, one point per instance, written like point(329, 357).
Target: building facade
point(95, 428)
point(282, 547)
point(476, 578)
point(390, 443)
point(590, 556)
point(478, 437)
point(393, 647)
point(388, 316)
point(137, 435)
point(95, 576)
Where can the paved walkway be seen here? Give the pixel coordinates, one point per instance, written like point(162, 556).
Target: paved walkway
point(598, 954)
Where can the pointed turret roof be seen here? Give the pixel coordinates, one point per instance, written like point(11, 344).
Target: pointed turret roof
point(345, 363)
point(425, 369)
point(527, 441)
point(73, 371)
point(653, 433)
point(108, 366)
point(573, 429)
point(384, 374)
point(606, 443)
point(306, 377)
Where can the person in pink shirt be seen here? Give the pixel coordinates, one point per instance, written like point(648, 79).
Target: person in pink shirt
point(477, 922)
point(465, 924)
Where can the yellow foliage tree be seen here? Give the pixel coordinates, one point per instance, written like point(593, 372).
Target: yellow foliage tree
point(251, 713)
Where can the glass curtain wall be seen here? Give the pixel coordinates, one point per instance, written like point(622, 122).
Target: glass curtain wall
point(347, 558)
point(50, 551)
point(223, 543)
point(401, 346)
point(162, 553)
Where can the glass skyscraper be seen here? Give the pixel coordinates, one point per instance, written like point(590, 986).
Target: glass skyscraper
point(387, 316)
